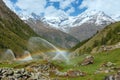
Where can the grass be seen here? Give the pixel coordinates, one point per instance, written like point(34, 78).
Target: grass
point(100, 58)
point(8, 64)
point(108, 36)
point(74, 64)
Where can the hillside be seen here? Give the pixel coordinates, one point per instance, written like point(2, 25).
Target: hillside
point(106, 37)
point(14, 33)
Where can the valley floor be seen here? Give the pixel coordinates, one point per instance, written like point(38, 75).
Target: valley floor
point(105, 63)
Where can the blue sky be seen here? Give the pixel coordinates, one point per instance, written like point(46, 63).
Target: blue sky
point(54, 8)
point(70, 7)
point(74, 4)
point(14, 1)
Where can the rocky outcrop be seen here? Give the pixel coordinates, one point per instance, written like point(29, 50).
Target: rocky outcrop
point(69, 73)
point(75, 73)
point(38, 72)
point(113, 77)
point(107, 68)
point(105, 48)
point(88, 60)
point(20, 74)
point(111, 47)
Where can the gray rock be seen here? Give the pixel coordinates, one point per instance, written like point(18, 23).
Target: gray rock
point(88, 60)
point(113, 77)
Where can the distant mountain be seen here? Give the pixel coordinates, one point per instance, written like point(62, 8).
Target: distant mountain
point(88, 23)
point(96, 17)
point(45, 30)
point(84, 25)
point(81, 27)
point(55, 36)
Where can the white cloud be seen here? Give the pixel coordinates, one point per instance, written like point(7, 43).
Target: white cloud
point(37, 6)
point(110, 7)
point(52, 12)
point(64, 3)
point(71, 10)
point(77, 1)
point(29, 6)
point(49, 11)
point(55, 0)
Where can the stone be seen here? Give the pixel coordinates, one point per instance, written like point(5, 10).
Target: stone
point(108, 64)
point(109, 77)
point(35, 76)
point(117, 76)
point(88, 60)
point(106, 71)
point(9, 73)
point(58, 73)
point(113, 77)
point(75, 73)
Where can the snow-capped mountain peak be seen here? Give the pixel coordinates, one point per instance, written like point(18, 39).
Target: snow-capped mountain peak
point(96, 17)
point(64, 21)
point(31, 16)
point(56, 21)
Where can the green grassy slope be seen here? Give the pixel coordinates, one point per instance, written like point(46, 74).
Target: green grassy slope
point(14, 33)
point(90, 70)
point(108, 36)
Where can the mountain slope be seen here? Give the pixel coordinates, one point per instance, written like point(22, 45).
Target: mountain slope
point(108, 36)
point(86, 24)
point(14, 33)
point(55, 36)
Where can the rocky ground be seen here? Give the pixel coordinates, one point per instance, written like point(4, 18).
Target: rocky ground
point(20, 74)
point(37, 72)
point(113, 77)
point(80, 68)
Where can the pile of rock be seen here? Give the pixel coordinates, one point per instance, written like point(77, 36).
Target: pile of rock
point(69, 73)
point(75, 73)
point(113, 77)
point(20, 74)
point(37, 72)
point(88, 60)
point(106, 68)
point(59, 73)
point(44, 68)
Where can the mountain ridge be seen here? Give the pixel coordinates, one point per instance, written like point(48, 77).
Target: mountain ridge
point(86, 24)
point(55, 36)
point(70, 21)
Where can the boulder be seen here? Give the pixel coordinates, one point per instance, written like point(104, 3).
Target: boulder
point(88, 60)
point(113, 77)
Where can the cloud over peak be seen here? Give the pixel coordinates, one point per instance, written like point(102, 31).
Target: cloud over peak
point(54, 8)
point(26, 7)
point(110, 7)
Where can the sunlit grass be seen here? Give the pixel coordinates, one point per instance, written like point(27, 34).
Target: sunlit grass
point(74, 64)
